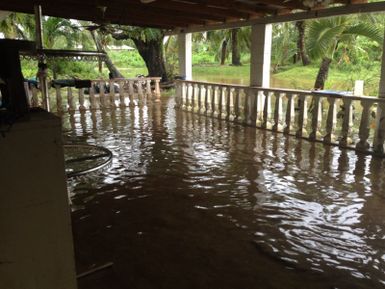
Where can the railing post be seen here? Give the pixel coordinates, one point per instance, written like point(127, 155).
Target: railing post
point(364, 130)
point(302, 117)
point(331, 120)
point(157, 90)
point(131, 93)
point(81, 99)
point(200, 94)
point(260, 107)
point(315, 120)
point(59, 105)
point(148, 89)
point(94, 104)
point(228, 102)
point(122, 94)
point(27, 92)
point(140, 92)
point(251, 116)
point(207, 87)
point(278, 112)
point(289, 113)
point(266, 110)
point(102, 97)
point(193, 94)
point(178, 94)
point(379, 136)
point(346, 123)
point(112, 94)
point(187, 96)
point(236, 104)
point(70, 99)
point(183, 102)
point(213, 96)
point(35, 99)
point(221, 91)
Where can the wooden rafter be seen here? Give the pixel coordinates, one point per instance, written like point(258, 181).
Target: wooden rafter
point(189, 15)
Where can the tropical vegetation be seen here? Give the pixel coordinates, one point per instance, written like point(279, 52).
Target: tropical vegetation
point(304, 53)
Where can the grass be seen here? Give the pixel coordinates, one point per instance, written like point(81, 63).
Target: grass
point(296, 77)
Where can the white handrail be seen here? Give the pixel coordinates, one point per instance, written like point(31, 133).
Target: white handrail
point(344, 120)
point(102, 94)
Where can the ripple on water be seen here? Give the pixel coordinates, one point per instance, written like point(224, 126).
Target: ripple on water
point(309, 205)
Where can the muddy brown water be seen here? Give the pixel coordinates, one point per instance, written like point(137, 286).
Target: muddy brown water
point(193, 202)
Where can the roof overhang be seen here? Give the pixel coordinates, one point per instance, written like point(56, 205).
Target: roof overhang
point(178, 16)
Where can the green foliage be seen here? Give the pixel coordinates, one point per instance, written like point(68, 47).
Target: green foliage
point(284, 45)
point(126, 58)
point(64, 69)
point(326, 36)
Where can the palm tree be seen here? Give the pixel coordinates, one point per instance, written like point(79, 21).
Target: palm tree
point(326, 36)
point(283, 46)
point(301, 51)
point(18, 26)
point(239, 40)
point(101, 40)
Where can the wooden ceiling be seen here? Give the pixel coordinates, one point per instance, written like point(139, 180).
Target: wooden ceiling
point(166, 14)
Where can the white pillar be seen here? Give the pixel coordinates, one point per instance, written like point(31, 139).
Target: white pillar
point(379, 134)
point(185, 55)
point(261, 38)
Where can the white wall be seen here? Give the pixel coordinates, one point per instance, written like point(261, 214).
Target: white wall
point(36, 247)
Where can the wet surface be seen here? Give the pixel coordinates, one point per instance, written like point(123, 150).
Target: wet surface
point(194, 202)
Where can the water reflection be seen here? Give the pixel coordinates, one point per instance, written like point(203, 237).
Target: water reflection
point(312, 207)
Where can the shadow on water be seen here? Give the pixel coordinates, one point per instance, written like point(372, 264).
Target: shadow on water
point(194, 202)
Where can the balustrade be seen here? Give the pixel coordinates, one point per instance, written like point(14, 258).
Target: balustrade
point(294, 112)
point(102, 94)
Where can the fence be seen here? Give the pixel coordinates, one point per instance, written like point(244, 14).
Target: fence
point(347, 121)
point(101, 94)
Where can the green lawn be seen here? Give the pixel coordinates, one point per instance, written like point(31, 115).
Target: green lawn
point(297, 77)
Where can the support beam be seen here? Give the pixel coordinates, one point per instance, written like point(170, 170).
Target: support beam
point(185, 55)
point(38, 27)
point(312, 14)
point(261, 39)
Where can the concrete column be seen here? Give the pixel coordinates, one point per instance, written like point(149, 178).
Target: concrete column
point(379, 134)
point(261, 38)
point(185, 55)
point(36, 247)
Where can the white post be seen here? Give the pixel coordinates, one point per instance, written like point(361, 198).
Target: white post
point(379, 134)
point(261, 38)
point(185, 55)
point(358, 88)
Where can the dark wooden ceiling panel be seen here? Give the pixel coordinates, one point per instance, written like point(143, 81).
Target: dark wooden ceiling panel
point(167, 14)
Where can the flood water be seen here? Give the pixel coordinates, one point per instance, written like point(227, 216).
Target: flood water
point(194, 202)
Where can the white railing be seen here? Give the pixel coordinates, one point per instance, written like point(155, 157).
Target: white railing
point(347, 121)
point(118, 92)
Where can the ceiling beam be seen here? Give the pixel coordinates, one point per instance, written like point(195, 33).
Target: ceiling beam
point(312, 14)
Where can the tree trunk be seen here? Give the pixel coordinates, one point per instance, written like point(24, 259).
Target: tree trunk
point(100, 62)
point(235, 55)
point(223, 52)
point(301, 43)
point(152, 53)
point(114, 72)
point(322, 73)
